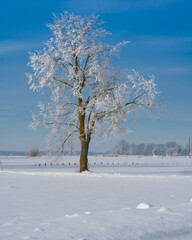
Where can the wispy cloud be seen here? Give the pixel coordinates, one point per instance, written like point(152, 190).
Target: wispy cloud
point(9, 47)
point(169, 70)
point(164, 40)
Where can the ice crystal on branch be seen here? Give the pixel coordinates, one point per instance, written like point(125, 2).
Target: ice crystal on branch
point(89, 96)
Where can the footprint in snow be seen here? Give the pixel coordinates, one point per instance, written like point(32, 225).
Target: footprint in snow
point(17, 221)
point(143, 206)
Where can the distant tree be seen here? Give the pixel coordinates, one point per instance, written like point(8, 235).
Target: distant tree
point(34, 152)
point(176, 150)
point(171, 145)
point(121, 148)
point(148, 149)
point(141, 148)
point(89, 97)
point(171, 151)
point(159, 149)
point(155, 151)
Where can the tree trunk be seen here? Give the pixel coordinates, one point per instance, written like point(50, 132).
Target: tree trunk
point(84, 156)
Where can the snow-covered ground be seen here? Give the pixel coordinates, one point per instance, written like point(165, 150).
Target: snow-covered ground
point(123, 198)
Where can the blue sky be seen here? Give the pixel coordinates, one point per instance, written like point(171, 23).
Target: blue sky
point(160, 35)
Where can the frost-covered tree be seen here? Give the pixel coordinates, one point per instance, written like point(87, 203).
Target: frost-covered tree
point(122, 148)
point(88, 95)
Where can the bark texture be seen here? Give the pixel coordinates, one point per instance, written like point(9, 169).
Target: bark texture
point(84, 156)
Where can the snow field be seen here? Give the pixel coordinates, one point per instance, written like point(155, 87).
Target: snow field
point(108, 203)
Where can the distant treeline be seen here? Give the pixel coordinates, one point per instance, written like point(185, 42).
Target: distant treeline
point(170, 149)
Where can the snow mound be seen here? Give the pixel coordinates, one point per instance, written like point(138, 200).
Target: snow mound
point(125, 209)
point(190, 200)
point(72, 216)
point(37, 230)
point(164, 210)
point(143, 206)
point(87, 213)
